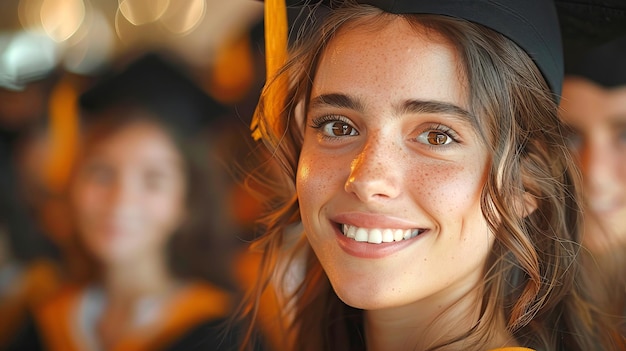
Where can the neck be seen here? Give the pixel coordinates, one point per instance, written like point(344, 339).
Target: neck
point(126, 285)
point(146, 275)
point(431, 322)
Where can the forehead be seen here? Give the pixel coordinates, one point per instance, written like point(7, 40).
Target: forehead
point(134, 141)
point(387, 53)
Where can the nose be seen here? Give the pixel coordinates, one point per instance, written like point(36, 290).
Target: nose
point(121, 196)
point(375, 173)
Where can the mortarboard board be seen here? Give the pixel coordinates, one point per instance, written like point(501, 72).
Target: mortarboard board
point(543, 28)
point(531, 24)
point(161, 87)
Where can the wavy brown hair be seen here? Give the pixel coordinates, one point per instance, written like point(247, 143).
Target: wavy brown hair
point(531, 281)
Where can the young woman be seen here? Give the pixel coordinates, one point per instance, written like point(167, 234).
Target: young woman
point(146, 200)
point(422, 154)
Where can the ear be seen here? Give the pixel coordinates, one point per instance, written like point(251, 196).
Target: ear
point(300, 114)
point(527, 201)
point(523, 201)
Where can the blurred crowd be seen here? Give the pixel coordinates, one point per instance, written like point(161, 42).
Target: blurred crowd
point(124, 222)
point(124, 218)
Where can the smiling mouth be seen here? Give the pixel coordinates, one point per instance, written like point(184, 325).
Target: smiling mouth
point(379, 235)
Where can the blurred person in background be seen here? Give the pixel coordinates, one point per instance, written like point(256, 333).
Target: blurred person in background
point(149, 207)
point(594, 106)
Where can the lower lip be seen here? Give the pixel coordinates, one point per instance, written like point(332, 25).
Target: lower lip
point(369, 250)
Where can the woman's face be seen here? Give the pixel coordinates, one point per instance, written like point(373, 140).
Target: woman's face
point(129, 193)
point(598, 117)
point(391, 170)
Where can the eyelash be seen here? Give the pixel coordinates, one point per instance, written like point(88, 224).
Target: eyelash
point(319, 122)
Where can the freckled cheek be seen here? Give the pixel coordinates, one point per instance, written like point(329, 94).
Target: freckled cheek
point(448, 189)
point(319, 177)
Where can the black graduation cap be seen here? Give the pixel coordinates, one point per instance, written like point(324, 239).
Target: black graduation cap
point(534, 25)
point(531, 24)
point(160, 86)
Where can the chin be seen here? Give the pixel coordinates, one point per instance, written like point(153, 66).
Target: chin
point(369, 303)
point(367, 297)
point(112, 254)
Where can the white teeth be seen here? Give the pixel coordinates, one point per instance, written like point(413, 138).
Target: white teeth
point(377, 235)
point(351, 232)
point(407, 234)
point(398, 234)
point(387, 235)
point(361, 234)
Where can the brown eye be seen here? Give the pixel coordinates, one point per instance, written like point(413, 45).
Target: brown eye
point(341, 129)
point(437, 138)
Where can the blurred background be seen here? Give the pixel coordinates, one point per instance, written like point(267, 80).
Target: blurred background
point(51, 52)
point(80, 36)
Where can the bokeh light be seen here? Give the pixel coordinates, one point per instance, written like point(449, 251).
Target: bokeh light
point(60, 19)
point(95, 47)
point(183, 16)
point(29, 13)
point(140, 12)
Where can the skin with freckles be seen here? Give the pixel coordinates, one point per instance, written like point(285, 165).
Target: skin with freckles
point(388, 145)
point(598, 118)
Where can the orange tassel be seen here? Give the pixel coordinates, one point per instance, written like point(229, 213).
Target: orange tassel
point(275, 57)
point(64, 132)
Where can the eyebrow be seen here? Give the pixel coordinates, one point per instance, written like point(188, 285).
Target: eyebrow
point(409, 106)
point(436, 107)
point(337, 100)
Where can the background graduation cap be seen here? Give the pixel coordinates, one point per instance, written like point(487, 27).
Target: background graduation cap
point(589, 24)
point(583, 24)
point(161, 87)
point(605, 64)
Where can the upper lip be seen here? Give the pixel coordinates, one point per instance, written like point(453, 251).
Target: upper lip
point(374, 220)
